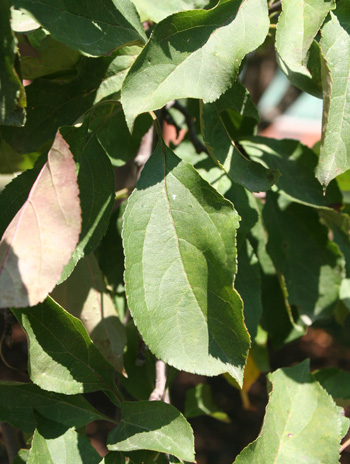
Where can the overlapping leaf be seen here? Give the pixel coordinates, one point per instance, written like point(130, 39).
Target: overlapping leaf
point(54, 444)
point(19, 400)
point(312, 266)
point(297, 52)
point(83, 294)
point(302, 422)
point(41, 237)
point(297, 164)
point(62, 357)
point(179, 278)
point(335, 144)
point(96, 185)
point(194, 54)
point(153, 425)
point(93, 27)
point(12, 94)
point(215, 129)
point(199, 402)
point(156, 10)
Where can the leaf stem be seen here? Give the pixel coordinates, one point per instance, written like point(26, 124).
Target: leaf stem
point(344, 445)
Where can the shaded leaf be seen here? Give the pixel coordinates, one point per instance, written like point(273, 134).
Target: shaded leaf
point(297, 164)
point(50, 58)
point(302, 422)
point(179, 279)
point(12, 94)
point(31, 265)
point(222, 148)
point(62, 357)
point(53, 104)
point(84, 295)
point(312, 266)
point(156, 10)
point(95, 27)
point(194, 54)
point(248, 285)
point(139, 364)
point(96, 184)
point(152, 425)
point(199, 402)
point(298, 54)
point(54, 444)
point(19, 400)
point(336, 382)
point(113, 458)
point(335, 143)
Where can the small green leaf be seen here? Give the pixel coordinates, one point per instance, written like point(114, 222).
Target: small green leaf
point(302, 422)
point(298, 55)
point(19, 400)
point(297, 164)
point(194, 54)
point(12, 94)
point(335, 143)
point(179, 278)
point(84, 295)
point(152, 425)
point(62, 357)
point(94, 27)
point(54, 444)
point(222, 148)
point(312, 266)
point(199, 402)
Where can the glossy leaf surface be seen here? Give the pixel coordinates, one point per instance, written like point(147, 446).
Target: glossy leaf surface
point(31, 266)
point(156, 10)
point(302, 422)
point(153, 425)
point(194, 54)
point(179, 278)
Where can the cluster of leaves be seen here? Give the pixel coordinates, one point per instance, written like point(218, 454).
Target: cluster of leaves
point(211, 272)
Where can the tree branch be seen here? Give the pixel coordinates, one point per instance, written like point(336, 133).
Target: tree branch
point(160, 392)
point(11, 439)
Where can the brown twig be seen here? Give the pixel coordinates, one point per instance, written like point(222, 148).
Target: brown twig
point(344, 445)
point(160, 392)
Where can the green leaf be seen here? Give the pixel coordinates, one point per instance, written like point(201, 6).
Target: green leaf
point(336, 382)
point(12, 94)
point(113, 458)
point(298, 55)
point(194, 54)
point(22, 457)
point(84, 295)
point(312, 266)
point(139, 364)
point(62, 357)
point(179, 278)
point(96, 184)
point(199, 402)
point(50, 58)
point(54, 444)
point(95, 27)
point(335, 143)
point(156, 10)
point(152, 425)
point(52, 104)
point(295, 161)
point(31, 264)
point(19, 400)
point(302, 422)
point(222, 148)
point(248, 285)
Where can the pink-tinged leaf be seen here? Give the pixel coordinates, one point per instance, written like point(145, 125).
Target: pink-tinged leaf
point(41, 238)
